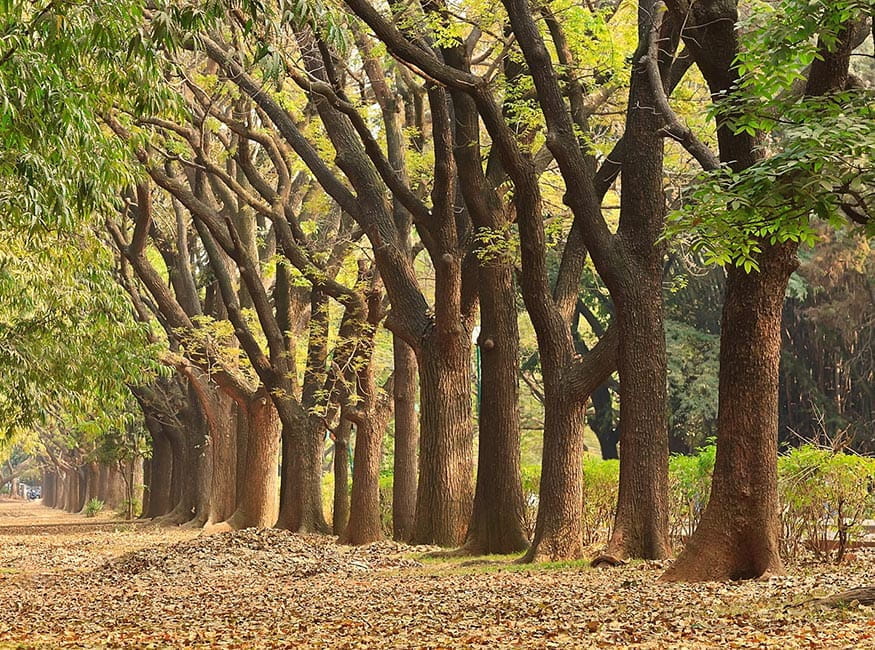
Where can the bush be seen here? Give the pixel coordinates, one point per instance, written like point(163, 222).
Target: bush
point(531, 479)
point(600, 486)
point(689, 480)
point(386, 483)
point(825, 497)
point(93, 507)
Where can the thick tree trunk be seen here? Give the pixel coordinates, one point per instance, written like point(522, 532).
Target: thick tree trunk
point(49, 493)
point(242, 439)
point(183, 483)
point(558, 528)
point(91, 474)
point(257, 504)
point(201, 450)
point(498, 512)
point(115, 486)
point(302, 510)
point(223, 431)
point(641, 522)
point(340, 512)
point(405, 462)
point(739, 534)
point(60, 489)
point(160, 473)
point(445, 492)
point(364, 519)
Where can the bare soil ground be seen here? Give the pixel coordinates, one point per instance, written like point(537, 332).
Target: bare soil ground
point(71, 582)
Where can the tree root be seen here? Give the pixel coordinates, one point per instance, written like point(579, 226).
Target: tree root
point(860, 595)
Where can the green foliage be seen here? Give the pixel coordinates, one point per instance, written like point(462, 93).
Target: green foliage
point(819, 162)
point(692, 370)
point(93, 507)
point(600, 487)
point(689, 487)
point(825, 496)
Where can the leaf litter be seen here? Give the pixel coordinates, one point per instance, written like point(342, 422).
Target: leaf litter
point(148, 587)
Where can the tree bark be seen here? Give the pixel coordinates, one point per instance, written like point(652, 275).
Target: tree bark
point(340, 512)
point(364, 520)
point(446, 486)
point(257, 505)
point(558, 528)
point(303, 512)
point(498, 512)
point(739, 534)
point(160, 472)
point(405, 462)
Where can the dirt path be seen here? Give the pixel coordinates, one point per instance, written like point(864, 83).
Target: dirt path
point(71, 582)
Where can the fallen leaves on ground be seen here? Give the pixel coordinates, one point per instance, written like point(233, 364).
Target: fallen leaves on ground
point(144, 587)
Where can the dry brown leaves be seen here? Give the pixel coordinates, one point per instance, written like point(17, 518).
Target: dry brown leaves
point(158, 588)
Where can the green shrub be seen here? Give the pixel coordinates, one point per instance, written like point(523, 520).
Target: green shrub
point(531, 479)
point(386, 482)
point(689, 480)
point(825, 497)
point(93, 507)
point(600, 486)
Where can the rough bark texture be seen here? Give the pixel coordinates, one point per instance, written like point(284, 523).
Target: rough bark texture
point(364, 520)
point(340, 512)
point(641, 522)
point(302, 476)
point(558, 532)
point(446, 486)
point(405, 462)
point(257, 504)
point(496, 524)
point(739, 534)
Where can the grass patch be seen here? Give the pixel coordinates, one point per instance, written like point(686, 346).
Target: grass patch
point(480, 564)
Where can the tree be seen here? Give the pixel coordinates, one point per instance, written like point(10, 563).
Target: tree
point(738, 535)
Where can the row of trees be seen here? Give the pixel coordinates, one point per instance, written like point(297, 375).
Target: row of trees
point(303, 174)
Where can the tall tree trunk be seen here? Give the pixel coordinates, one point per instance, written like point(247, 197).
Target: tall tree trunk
point(202, 459)
point(49, 488)
point(405, 462)
point(115, 486)
point(340, 513)
point(498, 512)
point(161, 471)
point(257, 504)
point(365, 525)
point(242, 439)
point(739, 534)
point(641, 521)
point(61, 488)
point(183, 482)
point(302, 473)
point(445, 492)
point(90, 473)
point(223, 443)
point(558, 529)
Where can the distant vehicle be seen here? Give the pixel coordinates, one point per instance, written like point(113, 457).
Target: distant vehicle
point(34, 493)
